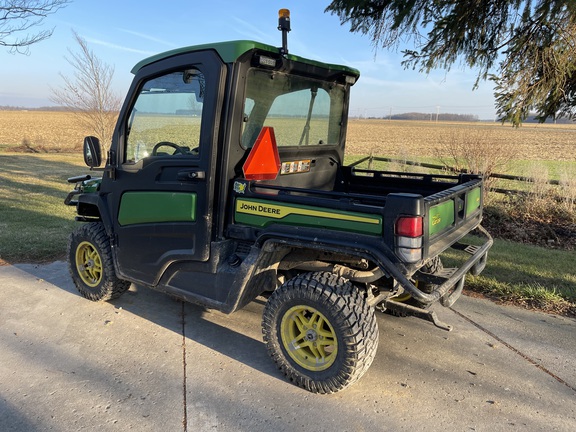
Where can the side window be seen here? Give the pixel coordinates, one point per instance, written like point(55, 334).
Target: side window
point(166, 118)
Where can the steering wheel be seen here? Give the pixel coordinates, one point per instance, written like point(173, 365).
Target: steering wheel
point(177, 148)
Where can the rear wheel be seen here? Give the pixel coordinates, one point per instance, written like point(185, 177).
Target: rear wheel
point(91, 265)
point(320, 331)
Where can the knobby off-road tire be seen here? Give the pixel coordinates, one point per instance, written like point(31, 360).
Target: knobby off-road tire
point(91, 265)
point(320, 331)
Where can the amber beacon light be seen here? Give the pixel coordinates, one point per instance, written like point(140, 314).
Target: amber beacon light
point(284, 27)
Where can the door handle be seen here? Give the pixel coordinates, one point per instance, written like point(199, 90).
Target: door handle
point(188, 175)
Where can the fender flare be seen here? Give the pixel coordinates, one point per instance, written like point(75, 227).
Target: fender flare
point(100, 203)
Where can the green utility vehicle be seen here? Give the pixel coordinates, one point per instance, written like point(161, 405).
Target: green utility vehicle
point(225, 181)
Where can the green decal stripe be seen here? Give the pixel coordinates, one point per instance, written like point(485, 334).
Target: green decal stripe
point(153, 207)
point(261, 213)
point(473, 201)
point(441, 216)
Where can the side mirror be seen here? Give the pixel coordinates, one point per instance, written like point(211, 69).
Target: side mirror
point(92, 152)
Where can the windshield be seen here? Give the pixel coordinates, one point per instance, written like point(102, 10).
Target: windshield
point(302, 111)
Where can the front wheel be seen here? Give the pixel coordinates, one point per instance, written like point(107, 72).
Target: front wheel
point(91, 265)
point(320, 331)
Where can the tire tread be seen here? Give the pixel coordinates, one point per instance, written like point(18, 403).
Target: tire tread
point(111, 286)
point(346, 302)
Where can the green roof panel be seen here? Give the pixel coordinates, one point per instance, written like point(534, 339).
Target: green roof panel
point(232, 50)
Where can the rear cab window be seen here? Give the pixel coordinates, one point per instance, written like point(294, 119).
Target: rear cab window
point(303, 111)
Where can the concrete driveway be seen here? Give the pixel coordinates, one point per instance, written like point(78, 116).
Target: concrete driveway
point(145, 362)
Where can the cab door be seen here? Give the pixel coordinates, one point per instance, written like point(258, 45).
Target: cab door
point(163, 190)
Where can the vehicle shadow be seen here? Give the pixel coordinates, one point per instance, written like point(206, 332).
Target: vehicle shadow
point(236, 336)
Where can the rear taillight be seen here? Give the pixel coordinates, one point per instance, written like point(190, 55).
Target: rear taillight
point(408, 231)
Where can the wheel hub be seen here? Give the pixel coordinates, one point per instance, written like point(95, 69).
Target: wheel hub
point(311, 335)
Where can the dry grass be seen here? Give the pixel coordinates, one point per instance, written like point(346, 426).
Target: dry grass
point(34, 222)
point(401, 138)
point(568, 187)
point(58, 131)
point(45, 131)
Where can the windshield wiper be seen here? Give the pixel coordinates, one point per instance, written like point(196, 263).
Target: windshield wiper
point(306, 131)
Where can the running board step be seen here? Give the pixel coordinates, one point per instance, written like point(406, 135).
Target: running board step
point(437, 278)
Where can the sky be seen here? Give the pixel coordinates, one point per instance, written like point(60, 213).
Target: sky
point(123, 32)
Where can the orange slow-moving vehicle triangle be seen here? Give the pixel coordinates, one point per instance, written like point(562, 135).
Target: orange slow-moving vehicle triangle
point(263, 162)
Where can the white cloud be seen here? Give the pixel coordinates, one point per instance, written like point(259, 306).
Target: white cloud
point(119, 47)
point(147, 37)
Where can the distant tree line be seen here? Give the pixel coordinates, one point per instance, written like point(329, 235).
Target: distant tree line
point(21, 108)
point(533, 118)
point(434, 117)
point(449, 117)
point(430, 117)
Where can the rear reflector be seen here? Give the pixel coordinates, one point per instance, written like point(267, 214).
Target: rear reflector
point(263, 162)
point(409, 255)
point(409, 242)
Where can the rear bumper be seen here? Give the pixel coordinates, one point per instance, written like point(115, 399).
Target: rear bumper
point(453, 280)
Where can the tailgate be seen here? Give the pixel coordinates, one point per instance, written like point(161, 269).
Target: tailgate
point(451, 214)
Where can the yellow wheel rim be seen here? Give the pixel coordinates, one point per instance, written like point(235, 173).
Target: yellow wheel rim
point(89, 264)
point(405, 296)
point(401, 298)
point(309, 338)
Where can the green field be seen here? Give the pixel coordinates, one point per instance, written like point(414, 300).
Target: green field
point(34, 222)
